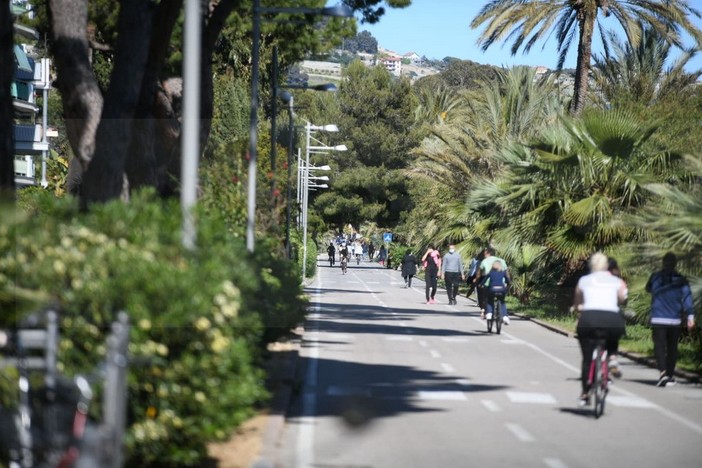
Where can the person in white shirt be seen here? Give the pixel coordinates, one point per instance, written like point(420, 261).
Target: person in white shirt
point(598, 297)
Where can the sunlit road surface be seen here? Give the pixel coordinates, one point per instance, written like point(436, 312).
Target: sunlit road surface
point(390, 381)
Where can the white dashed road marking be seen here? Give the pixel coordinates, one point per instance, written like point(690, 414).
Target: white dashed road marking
point(531, 397)
point(519, 432)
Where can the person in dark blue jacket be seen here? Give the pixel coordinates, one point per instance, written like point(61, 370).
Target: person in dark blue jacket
point(671, 297)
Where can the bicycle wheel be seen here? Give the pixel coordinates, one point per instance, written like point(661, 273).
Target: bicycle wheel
point(599, 384)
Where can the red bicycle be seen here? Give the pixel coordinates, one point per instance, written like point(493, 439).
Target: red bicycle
point(598, 377)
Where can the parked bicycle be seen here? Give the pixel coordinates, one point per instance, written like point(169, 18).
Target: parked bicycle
point(50, 426)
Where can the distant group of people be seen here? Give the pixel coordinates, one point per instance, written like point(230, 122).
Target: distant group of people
point(354, 247)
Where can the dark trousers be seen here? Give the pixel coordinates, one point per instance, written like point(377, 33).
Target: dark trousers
point(430, 281)
point(594, 325)
point(408, 280)
point(482, 297)
point(665, 347)
point(452, 280)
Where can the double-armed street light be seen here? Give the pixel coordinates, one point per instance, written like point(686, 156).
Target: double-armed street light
point(341, 11)
point(304, 170)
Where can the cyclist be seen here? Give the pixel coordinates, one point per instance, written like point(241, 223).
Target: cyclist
point(495, 284)
point(485, 266)
point(597, 298)
point(344, 256)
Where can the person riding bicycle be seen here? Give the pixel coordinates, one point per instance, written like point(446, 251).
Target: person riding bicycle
point(344, 252)
point(485, 266)
point(597, 298)
point(495, 284)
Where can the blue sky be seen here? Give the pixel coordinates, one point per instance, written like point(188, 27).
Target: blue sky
point(441, 28)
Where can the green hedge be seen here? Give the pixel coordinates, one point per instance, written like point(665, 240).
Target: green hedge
point(200, 318)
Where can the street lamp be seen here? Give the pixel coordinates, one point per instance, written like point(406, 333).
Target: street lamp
point(285, 97)
point(305, 178)
point(337, 11)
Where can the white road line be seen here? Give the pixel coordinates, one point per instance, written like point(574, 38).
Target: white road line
point(447, 367)
point(435, 354)
point(519, 432)
point(403, 324)
point(491, 406)
point(531, 397)
point(305, 440)
point(555, 463)
point(423, 343)
point(441, 395)
point(463, 382)
point(455, 340)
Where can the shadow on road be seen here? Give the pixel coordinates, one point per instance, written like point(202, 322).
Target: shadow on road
point(361, 393)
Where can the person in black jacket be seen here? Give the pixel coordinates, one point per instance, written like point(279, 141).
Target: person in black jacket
point(409, 267)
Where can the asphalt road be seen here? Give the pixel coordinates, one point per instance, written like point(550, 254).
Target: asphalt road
point(390, 381)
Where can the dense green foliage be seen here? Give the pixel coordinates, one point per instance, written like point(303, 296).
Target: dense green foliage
point(199, 319)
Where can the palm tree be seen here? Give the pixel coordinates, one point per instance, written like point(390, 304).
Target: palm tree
point(572, 189)
point(528, 21)
point(637, 72)
point(461, 151)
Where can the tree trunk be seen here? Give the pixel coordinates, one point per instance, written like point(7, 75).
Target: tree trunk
point(80, 94)
point(7, 146)
point(142, 162)
point(104, 179)
point(582, 70)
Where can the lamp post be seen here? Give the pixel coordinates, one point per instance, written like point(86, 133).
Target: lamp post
point(305, 178)
point(342, 11)
point(289, 99)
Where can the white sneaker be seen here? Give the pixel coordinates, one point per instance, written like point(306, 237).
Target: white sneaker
point(505, 320)
point(488, 316)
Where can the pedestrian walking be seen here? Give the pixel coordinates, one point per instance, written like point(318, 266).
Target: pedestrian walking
point(452, 273)
point(671, 303)
point(382, 255)
point(331, 251)
point(431, 262)
point(471, 276)
point(409, 267)
point(371, 251)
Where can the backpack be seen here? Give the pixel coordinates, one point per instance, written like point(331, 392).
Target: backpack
point(473, 268)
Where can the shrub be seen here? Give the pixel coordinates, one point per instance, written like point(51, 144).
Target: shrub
point(198, 318)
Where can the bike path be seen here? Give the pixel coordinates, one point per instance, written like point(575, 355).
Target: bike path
point(391, 381)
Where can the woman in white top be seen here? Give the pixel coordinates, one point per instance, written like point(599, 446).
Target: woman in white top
point(598, 297)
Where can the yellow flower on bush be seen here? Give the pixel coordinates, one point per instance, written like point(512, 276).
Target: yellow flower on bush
point(202, 324)
point(144, 324)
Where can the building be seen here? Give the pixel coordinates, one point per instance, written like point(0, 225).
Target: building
point(393, 64)
point(413, 57)
point(31, 76)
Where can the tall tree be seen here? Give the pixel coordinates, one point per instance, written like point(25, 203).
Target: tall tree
point(129, 124)
point(528, 21)
point(376, 123)
point(638, 73)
